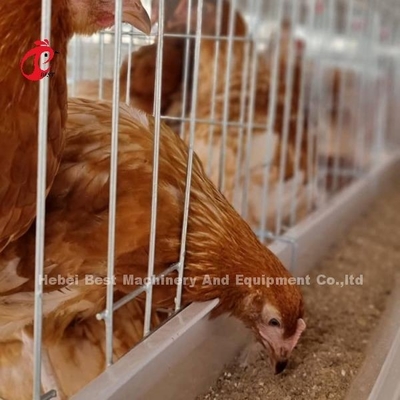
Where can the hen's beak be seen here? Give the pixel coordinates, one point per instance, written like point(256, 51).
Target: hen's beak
point(280, 366)
point(278, 362)
point(135, 14)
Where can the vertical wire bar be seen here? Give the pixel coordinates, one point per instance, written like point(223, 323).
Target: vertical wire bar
point(159, 66)
point(243, 102)
point(361, 109)
point(75, 65)
point(228, 73)
point(217, 46)
point(156, 158)
point(381, 122)
point(251, 111)
point(372, 138)
point(396, 78)
point(372, 34)
point(298, 152)
point(300, 122)
point(45, 33)
point(321, 114)
point(326, 133)
point(101, 65)
point(286, 121)
point(129, 66)
point(317, 165)
point(272, 107)
point(361, 106)
point(178, 299)
point(385, 118)
point(340, 123)
point(312, 133)
point(113, 185)
point(186, 71)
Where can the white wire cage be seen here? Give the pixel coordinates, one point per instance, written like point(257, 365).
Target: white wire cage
point(284, 114)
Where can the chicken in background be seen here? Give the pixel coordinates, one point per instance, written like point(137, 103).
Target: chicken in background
point(143, 68)
point(250, 154)
point(219, 242)
point(339, 149)
point(143, 74)
point(287, 40)
point(142, 77)
point(334, 130)
point(19, 98)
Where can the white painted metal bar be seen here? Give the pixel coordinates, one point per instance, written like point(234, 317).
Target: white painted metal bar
point(178, 298)
point(344, 78)
point(365, 58)
point(216, 73)
point(137, 292)
point(156, 159)
point(312, 116)
point(286, 119)
point(204, 36)
point(216, 122)
point(301, 119)
point(320, 115)
point(329, 82)
point(128, 76)
point(228, 73)
point(253, 69)
point(369, 61)
point(249, 47)
point(45, 33)
point(272, 108)
point(185, 86)
point(113, 186)
point(101, 64)
point(381, 120)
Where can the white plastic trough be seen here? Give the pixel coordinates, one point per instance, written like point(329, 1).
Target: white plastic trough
point(185, 356)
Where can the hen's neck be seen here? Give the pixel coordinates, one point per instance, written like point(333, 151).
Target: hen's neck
point(230, 247)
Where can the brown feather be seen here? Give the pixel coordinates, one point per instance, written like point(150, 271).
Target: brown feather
point(219, 241)
point(19, 98)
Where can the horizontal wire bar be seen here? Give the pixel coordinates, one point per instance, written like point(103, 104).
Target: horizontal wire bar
point(211, 122)
point(193, 36)
point(49, 395)
point(126, 299)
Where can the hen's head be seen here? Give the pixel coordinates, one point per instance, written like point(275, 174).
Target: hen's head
point(275, 315)
point(90, 16)
point(263, 295)
point(143, 68)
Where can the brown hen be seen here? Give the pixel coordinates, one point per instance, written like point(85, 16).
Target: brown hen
point(142, 72)
point(238, 154)
point(19, 97)
point(142, 77)
point(219, 242)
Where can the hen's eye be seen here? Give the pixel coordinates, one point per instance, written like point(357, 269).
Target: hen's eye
point(274, 322)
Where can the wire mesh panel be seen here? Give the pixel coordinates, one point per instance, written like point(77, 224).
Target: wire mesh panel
point(281, 104)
